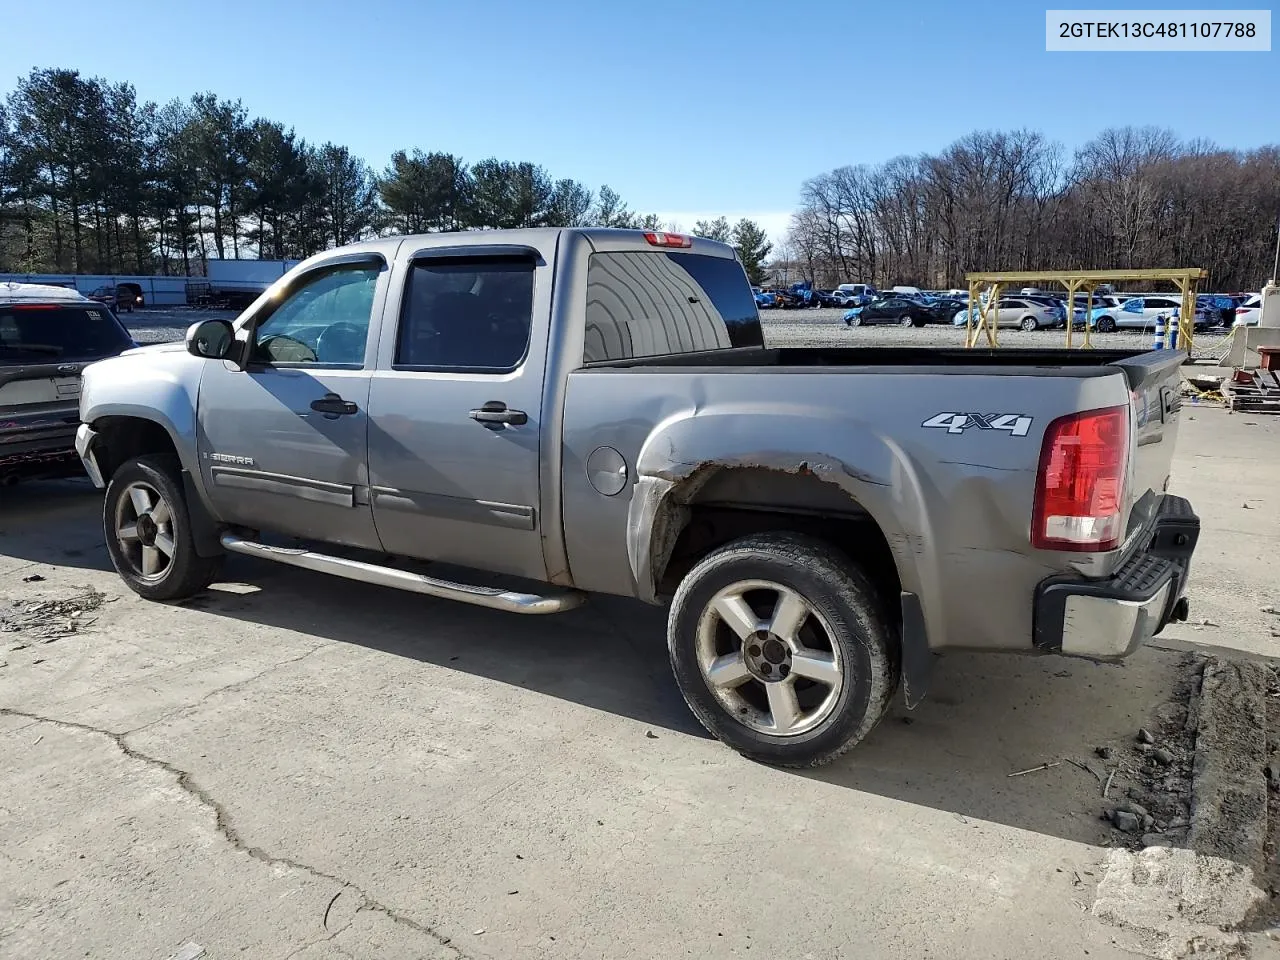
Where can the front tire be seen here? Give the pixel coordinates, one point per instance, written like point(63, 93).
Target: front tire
point(782, 649)
point(148, 531)
point(1106, 325)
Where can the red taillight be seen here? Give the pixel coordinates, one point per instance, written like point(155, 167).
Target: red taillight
point(34, 306)
point(660, 239)
point(1079, 501)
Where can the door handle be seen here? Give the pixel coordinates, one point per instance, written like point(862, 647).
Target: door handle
point(332, 405)
point(495, 413)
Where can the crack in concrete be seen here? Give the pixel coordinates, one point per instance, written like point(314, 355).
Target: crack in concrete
point(224, 826)
point(236, 685)
point(311, 943)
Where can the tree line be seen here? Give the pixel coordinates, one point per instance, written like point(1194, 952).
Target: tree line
point(94, 181)
point(1131, 198)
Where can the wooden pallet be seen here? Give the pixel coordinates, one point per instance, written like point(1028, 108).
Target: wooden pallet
point(1254, 391)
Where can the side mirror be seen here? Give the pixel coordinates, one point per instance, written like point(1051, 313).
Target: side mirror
point(211, 339)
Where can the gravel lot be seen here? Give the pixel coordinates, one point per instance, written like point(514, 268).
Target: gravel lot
point(792, 328)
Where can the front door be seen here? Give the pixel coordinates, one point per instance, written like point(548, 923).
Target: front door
point(455, 412)
point(284, 443)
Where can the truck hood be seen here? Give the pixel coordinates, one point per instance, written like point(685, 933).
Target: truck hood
point(150, 348)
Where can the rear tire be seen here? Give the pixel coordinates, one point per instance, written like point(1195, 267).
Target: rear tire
point(906, 321)
point(797, 610)
point(148, 531)
point(1030, 324)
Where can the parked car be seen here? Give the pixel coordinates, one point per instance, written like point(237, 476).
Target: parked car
point(847, 298)
point(1249, 312)
point(1021, 312)
point(459, 398)
point(123, 297)
point(47, 336)
point(1141, 313)
point(899, 310)
point(864, 290)
point(827, 298)
point(765, 299)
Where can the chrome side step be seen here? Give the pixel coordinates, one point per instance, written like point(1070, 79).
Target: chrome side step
point(492, 597)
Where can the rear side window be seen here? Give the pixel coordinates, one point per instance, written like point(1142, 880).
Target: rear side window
point(30, 333)
point(466, 313)
point(659, 304)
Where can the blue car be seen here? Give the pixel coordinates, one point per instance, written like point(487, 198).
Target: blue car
point(764, 300)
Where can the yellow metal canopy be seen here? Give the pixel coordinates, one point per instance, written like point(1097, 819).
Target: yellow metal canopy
point(1185, 279)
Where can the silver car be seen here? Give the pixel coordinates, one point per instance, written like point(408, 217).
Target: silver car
point(1016, 312)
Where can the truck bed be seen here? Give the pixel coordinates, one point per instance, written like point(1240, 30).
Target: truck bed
point(1028, 362)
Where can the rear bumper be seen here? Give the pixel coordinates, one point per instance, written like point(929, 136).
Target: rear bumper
point(1110, 618)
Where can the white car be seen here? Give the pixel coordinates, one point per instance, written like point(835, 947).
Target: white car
point(1249, 312)
point(1017, 312)
point(1140, 313)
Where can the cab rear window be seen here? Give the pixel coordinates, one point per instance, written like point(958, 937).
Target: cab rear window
point(660, 304)
point(30, 333)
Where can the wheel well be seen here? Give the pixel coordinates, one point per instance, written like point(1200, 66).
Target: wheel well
point(735, 503)
point(120, 439)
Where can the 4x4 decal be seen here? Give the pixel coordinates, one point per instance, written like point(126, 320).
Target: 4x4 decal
point(1015, 424)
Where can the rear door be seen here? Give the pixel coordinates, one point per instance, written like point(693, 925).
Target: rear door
point(455, 411)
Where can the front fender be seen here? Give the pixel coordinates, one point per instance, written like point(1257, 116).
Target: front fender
point(868, 467)
point(160, 387)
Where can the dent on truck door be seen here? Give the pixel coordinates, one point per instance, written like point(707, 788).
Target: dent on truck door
point(454, 423)
point(284, 443)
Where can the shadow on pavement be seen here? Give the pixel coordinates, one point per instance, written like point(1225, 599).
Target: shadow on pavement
point(53, 521)
point(987, 715)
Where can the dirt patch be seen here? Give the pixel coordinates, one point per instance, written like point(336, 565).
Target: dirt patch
point(1269, 915)
point(1146, 781)
point(46, 619)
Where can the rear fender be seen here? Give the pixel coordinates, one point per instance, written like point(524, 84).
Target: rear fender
point(870, 469)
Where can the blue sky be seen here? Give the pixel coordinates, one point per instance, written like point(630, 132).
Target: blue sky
point(686, 108)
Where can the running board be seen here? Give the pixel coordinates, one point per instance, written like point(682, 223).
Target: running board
point(494, 598)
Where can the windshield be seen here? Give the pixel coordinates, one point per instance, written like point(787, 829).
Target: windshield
point(35, 332)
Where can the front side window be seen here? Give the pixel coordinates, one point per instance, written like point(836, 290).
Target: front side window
point(466, 313)
point(324, 321)
point(653, 304)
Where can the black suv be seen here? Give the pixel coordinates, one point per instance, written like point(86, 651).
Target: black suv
point(47, 336)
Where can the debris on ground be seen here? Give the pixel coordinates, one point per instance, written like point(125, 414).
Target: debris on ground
point(1147, 791)
point(32, 578)
point(47, 620)
point(1124, 820)
point(1043, 766)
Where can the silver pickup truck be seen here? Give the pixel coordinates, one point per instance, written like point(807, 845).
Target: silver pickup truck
point(589, 410)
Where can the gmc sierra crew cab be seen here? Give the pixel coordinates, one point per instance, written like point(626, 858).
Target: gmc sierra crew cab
point(592, 410)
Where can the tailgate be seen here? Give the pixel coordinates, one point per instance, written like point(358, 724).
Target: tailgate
point(1155, 394)
point(39, 405)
